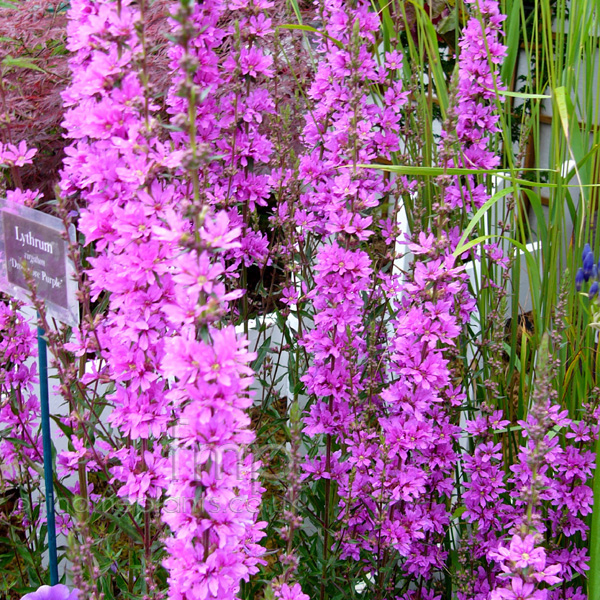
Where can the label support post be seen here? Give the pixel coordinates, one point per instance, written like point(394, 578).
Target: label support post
point(47, 443)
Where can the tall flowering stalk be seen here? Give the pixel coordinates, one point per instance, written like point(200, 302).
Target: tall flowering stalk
point(213, 495)
point(343, 130)
point(552, 475)
point(472, 118)
point(388, 436)
point(120, 205)
point(112, 174)
point(230, 106)
point(21, 445)
point(537, 495)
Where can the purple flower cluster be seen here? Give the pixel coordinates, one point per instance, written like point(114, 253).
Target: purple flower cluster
point(231, 113)
point(546, 495)
point(484, 491)
point(346, 128)
point(555, 475)
point(214, 496)
point(389, 440)
point(16, 156)
point(419, 400)
point(524, 562)
point(21, 444)
point(476, 95)
point(167, 301)
point(109, 171)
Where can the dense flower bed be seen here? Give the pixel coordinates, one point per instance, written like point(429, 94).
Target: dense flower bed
point(354, 458)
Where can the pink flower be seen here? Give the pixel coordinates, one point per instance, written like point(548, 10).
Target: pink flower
point(218, 233)
point(56, 592)
point(287, 592)
point(17, 155)
point(519, 590)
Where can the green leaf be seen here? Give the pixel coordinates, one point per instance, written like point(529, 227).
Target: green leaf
point(296, 8)
point(521, 95)
point(513, 42)
point(5, 560)
point(560, 95)
point(509, 351)
point(462, 248)
point(479, 214)
point(269, 594)
point(535, 202)
point(261, 354)
point(458, 512)
point(312, 30)
point(24, 553)
point(125, 524)
point(17, 441)
point(437, 171)
point(20, 63)
point(430, 37)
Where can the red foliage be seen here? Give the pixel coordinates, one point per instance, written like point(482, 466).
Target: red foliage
point(34, 71)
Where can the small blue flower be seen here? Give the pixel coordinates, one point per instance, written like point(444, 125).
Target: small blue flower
point(588, 265)
point(586, 251)
point(594, 289)
point(579, 279)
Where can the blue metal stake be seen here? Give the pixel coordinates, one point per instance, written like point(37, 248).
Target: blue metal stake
point(47, 441)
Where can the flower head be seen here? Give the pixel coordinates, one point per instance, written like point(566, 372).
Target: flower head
point(56, 592)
